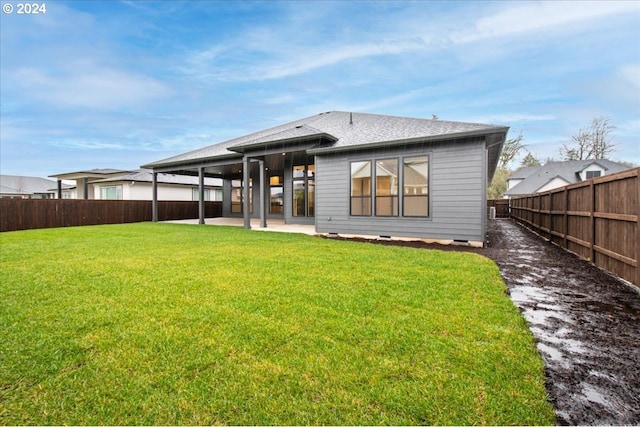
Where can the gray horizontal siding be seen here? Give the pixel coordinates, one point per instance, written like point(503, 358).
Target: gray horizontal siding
point(456, 190)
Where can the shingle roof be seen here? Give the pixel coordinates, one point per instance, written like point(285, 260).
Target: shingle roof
point(568, 171)
point(96, 173)
point(145, 175)
point(523, 173)
point(15, 184)
point(299, 132)
point(347, 130)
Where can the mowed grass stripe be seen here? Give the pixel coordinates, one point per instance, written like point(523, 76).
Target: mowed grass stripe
point(179, 324)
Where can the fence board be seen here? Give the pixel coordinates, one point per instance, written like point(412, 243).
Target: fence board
point(501, 206)
point(596, 219)
point(25, 214)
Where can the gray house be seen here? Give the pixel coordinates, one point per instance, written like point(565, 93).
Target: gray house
point(538, 179)
point(26, 187)
point(355, 173)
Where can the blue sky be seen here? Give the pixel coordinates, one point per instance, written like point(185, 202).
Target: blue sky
point(116, 84)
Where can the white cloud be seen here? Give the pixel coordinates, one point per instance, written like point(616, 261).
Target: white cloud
point(281, 59)
point(389, 101)
point(630, 74)
point(526, 17)
point(298, 43)
point(88, 86)
point(173, 82)
point(513, 118)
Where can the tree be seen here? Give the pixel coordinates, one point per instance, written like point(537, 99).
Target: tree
point(630, 165)
point(592, 142)
point(529, 160)
point(498, 184)
point(510, 150)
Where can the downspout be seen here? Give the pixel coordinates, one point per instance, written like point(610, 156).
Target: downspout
point(485, 186)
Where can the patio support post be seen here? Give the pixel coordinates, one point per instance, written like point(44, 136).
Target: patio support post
point(85, 188)
point(263, 198)
point(154, 196)
point(246, 193)
point(59, 189)
point(201, 195)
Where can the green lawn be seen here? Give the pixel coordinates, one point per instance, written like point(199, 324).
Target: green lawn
point(183, 324)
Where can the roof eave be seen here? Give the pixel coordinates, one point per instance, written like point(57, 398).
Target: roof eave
point(249, 147)
point(190, 163)
point(416, 140)
point(86, 174)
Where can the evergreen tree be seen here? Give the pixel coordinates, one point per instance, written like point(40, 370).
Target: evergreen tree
point(530, 160)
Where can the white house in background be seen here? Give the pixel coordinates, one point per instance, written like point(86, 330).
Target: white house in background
point(117, 184)
point(27, 187)
point(83, 188)
point(538, 179)
point(137, 185)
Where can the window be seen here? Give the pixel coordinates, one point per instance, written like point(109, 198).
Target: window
point(113, 192)
point(415, 201)
point(237, 196)
point(593, 174)
point(387, 182)
point(304, 188)
point(361, 188)
point(210, 195)
point(387, 187)
point(276, 201)
point(196, 194)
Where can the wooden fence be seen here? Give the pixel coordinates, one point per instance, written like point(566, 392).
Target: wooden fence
point(500, 205)
point(25, 214)
point(596, 219)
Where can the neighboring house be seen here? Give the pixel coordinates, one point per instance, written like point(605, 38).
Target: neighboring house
point(26, 187)
point(84, 182)
point(538, 179)
point(137, 185)
point(355, 173)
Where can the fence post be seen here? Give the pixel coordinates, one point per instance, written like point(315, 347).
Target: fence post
point(566, 218)
point(592, 220)
point(637, 257)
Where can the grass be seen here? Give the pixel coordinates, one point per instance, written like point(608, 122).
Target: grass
point(180, 324)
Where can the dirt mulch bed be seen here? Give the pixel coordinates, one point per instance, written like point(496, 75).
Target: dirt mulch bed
point(586, 324)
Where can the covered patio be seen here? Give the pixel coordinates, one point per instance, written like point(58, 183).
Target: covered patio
point(274, 181)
